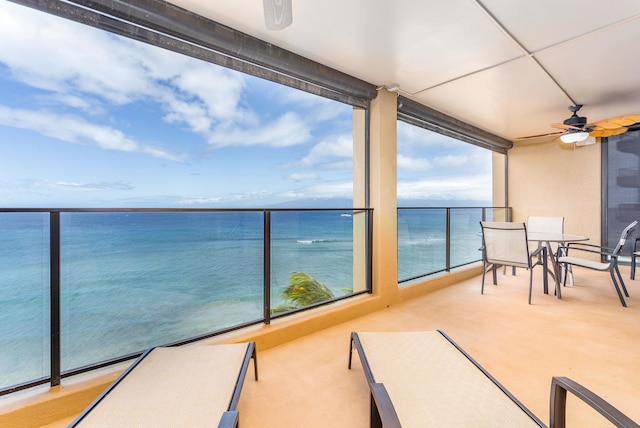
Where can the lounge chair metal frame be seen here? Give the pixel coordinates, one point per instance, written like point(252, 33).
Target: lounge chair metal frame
point(229, 418)
point(383, 413)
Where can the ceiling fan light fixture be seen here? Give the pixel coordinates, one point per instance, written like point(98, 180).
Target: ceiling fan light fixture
point(574, 137)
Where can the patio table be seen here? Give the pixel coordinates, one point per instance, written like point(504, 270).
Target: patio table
point(558, 238)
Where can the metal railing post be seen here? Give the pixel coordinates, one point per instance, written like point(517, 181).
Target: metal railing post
point(448, 240)
point(54, 244)
point(267, 267)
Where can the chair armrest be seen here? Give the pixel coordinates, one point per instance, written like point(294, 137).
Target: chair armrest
point(541, 249)
point(634, 245)
point(591, 246)
point(592, 249)
point(229, 419)
point(558, 404)
point(386, 413)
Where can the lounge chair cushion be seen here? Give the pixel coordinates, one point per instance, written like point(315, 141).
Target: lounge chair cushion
point(188, 386)
point(431, 383)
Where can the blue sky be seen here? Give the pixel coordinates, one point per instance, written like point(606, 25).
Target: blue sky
point(90, 119)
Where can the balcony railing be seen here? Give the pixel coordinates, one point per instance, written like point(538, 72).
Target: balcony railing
point(82, 289)
point(433, 240)
point(86, 288)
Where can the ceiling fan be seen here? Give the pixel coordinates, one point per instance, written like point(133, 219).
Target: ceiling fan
point(278, 14)
point(578, 132)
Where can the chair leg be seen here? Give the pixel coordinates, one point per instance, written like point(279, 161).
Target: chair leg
point(495, 275)
point(545, 271)
point(531, 282)
point(624, 288)
point(555, 256)
point(484, 270)
point(615, 284)
point(633, 266)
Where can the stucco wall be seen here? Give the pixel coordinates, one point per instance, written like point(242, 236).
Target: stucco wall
point(556, 179)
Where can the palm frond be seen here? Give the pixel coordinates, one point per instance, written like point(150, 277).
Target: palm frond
point(304, 290)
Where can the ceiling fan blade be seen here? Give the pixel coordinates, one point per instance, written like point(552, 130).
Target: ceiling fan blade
point(538, 136)
point(616, 122)
point(278, 14)
point(537, 139)
point(564, 126)
point(603, 132)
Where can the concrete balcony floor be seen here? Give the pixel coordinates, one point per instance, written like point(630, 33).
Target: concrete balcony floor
point(587, 336)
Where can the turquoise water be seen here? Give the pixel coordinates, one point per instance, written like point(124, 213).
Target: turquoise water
point(132, 280)
point(422, 240)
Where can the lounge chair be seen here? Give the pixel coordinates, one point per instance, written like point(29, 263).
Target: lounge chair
point(423, 378)
point(188, 386)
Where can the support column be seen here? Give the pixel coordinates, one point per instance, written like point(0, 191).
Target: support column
point(359, 201)
point(383, 194)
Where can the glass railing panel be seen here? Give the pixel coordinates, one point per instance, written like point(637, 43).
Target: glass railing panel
point(133, 280)
point(422, 241)
point(466, 238)
point(24, 298)
point(312, 257)
point(498, 214)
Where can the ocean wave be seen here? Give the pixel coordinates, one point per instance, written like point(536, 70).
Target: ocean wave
point(313, 241)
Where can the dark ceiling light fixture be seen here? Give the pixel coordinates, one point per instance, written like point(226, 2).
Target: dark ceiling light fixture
point(278, 14)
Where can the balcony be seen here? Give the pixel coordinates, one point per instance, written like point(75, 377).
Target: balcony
point(304, 381)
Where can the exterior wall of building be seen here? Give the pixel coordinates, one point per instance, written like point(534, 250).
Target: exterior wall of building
point(556, 179)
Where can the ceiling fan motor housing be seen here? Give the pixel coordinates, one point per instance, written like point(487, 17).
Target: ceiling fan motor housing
point(577, 121)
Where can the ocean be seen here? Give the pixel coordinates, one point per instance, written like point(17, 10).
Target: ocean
point(132, 280)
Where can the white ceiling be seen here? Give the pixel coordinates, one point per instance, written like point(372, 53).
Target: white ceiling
point(509, 67)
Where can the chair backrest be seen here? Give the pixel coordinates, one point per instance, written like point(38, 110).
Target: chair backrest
point(623, 238)
point(505, 243)
point(546, 224)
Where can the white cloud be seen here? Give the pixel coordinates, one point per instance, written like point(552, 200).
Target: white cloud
point(337, 189)
point(76, 187)
point(77, 130)
point(84, 68)
point(450, 161)
point(288, 130)
point(411, 136)
point(335, 152)
point(406, 163)
point(303, 177)
point(476, 187)
point(234, 199)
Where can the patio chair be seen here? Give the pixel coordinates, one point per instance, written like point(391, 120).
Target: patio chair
point(635, 253)
point(189, 386)
point(546, 225)
point(569, 259)
point(505, 244)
